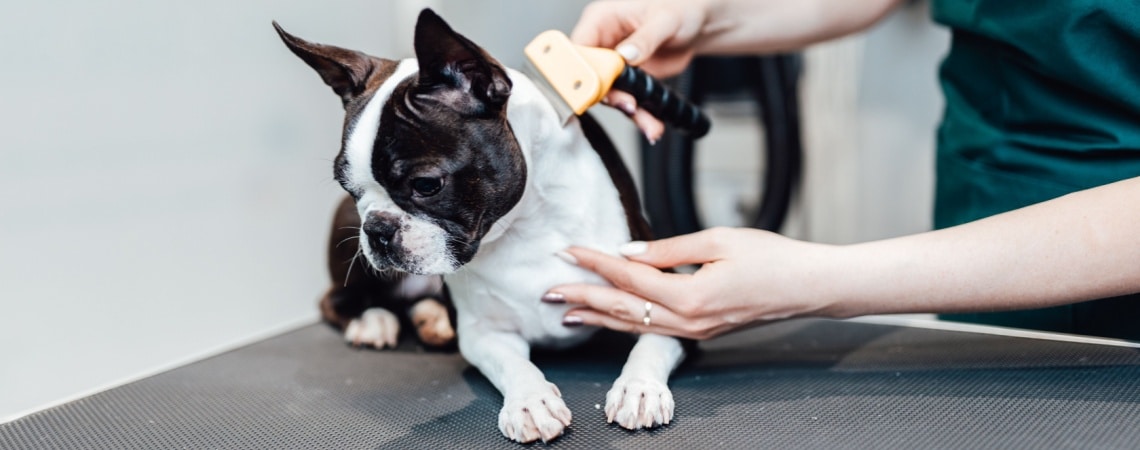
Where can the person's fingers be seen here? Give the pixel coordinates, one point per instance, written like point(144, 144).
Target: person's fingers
point(636, 278)
point(649, 125)
point(668, 62)
point(622, 101)
point(635, 30)
point(657, 27)
point(696, 248)
point(618, 304)
point(604, 24)
point(583, 316)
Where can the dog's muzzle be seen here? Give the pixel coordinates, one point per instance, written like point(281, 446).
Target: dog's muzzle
point(381, 229)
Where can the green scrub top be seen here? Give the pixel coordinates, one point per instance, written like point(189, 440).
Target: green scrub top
point(1042, 99)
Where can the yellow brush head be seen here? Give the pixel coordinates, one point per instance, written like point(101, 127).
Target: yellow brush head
point(580, 76)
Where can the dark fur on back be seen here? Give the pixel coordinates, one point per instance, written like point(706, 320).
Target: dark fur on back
point(638, 226)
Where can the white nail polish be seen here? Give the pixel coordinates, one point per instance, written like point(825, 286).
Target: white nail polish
point(634, 248)
point(570, 259)
point(629, 52)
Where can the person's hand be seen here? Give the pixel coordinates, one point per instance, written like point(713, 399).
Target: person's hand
point(661, 36)
point(656, 35)
point(748, 277)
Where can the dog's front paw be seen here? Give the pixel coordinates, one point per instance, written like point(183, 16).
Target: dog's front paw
point(432, 322)
point(636, 402)
point(535, 414)
point(377, 327)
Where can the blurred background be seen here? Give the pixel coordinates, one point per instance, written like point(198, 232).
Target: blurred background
point(165, 183)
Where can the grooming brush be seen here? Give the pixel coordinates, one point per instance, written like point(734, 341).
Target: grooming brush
point(576, 77)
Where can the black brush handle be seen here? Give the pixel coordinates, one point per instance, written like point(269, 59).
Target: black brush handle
point(655, 97)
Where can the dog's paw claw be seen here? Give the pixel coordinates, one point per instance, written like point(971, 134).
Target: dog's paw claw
point(377, 327)
point(639, 403)
point(537, 414)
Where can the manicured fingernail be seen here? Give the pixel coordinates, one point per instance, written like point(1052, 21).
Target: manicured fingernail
point(627, 108)
point(571, 321)
point(570, 259)
point(554, 297)
point(634, 248)
point(652, 140)
point(629, 52)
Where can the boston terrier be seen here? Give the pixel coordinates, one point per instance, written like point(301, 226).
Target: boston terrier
point(460, 167)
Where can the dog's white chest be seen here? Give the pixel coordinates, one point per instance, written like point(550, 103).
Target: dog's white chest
point(503, 286)
point(510, 299)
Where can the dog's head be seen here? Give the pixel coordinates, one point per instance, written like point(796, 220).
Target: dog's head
point(427, 151)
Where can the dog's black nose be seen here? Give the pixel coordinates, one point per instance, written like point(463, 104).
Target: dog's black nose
point(382, 226)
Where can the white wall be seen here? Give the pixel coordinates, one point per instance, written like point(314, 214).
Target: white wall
point(872, 105)
point(164, 172)
point(899, 107)
point(164, 182)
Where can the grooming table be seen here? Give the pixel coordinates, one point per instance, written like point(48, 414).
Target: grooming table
point(795, 384)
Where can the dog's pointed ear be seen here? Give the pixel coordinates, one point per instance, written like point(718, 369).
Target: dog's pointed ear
point(345, 71)
point(446, 58)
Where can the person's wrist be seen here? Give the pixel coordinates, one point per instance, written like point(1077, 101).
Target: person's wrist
point(837, 284)
point(717, 17)
point(807, 280)
point(711, 10)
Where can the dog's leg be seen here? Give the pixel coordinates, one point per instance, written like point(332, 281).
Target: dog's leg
point(532, 407)
point(640, 398)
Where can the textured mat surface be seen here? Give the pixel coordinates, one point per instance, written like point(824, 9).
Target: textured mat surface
point(798, 384)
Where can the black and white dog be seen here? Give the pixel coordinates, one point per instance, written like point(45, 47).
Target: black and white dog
point(459, 166)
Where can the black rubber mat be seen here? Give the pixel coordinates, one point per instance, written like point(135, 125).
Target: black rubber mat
point(798, 384)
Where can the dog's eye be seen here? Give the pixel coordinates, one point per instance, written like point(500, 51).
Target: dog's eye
point(427, 187)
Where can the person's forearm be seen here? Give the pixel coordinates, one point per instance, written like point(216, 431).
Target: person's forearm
point(1082, 246)
point(762, 26)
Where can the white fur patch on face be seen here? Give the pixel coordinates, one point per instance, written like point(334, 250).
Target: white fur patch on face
point(424, 244)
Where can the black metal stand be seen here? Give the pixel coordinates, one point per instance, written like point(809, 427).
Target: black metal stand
point(772, 82)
